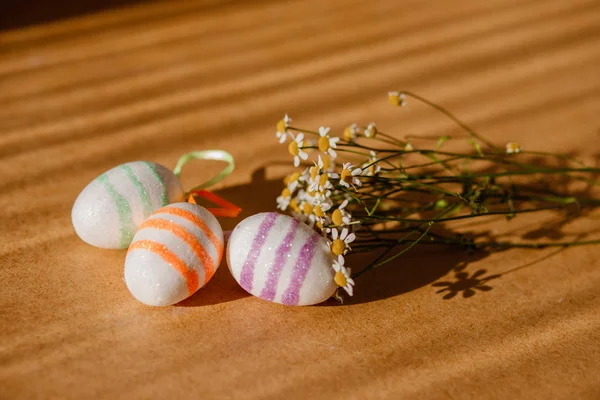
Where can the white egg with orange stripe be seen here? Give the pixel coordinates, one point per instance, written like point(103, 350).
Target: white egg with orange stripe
point(174, 253)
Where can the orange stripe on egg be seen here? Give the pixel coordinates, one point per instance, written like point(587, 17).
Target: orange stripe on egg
point(190, 275)
point(187, 237)
point(197, 221)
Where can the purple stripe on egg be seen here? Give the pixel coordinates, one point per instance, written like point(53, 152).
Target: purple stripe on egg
point(268, 292)
point(247, 274)
point(291, 297)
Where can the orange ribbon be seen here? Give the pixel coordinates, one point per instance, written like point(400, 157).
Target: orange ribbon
point(227, 209)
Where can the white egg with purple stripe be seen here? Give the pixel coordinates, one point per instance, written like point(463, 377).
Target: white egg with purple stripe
point(109, 210)
point(174, 253)
point(277, 258)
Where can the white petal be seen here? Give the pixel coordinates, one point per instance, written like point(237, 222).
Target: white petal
point(300, 137)
point(349, 290)
point(303, 155)
point(350, 238)
point(344, 233)
point(296, 161)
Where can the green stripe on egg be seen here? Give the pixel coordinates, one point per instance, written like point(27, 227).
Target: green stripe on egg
point(165, 195)
point(124, 211)
point(146, 202)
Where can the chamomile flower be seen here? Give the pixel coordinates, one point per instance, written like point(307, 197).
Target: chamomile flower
point(319, 180)
point(292, 181)
point(341, 242)
point(342, 276)
point(320, 213)
point(326, 143)
point(294, 205)
point(283, 201)
point(349, 175)
point(328, 163)
point(282, 128)
point(371, 130)
point(372, 167)
point(295, 149)
point(321, 184)
point(513, 148)
point(315, 170)
point(397, 99)
point(340, 216)
point(408, 147)
point(350, 133)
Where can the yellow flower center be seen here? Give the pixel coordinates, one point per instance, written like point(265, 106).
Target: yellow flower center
point(513, 147)
point(336, 217)
point(346, 176)
point(394, 98)
point(293, 148)
point(323, 180)
point(291, 178)
point(320, 225)
point(348, 133)
point(314, 172)
point(286, 193)
point(318, 211)
point(340, 279)
point(338, 246)
point(408, 147)
point(372, 169)
point(371, 131)
point(281, 126)
point(311, 194)
point(323, 143)
point(307, 208)
point(294, 205)
point(326, 162)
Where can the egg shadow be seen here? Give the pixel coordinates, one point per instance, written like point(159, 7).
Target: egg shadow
point(222, 288)
point(254, 197)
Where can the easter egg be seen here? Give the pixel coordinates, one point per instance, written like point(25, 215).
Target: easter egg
point(109, 210)
point(277, 258)
point(173, 254)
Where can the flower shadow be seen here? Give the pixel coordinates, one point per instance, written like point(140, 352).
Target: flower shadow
point(418, 268)
point(465, 284)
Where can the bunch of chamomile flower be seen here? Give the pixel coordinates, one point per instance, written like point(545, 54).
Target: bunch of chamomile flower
point(367, 190)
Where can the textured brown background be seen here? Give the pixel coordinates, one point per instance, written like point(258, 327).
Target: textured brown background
point(81, 93)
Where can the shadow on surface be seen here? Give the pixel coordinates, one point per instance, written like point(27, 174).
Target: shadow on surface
point(421, 266)
point(254, 197)
point(222, 288)
point(17, 14)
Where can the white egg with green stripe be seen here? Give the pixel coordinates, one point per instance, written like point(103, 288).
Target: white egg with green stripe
point(109, 210)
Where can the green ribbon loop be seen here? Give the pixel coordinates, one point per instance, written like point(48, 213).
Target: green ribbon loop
point(217, 155)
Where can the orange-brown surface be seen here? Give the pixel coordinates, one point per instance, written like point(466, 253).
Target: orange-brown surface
point(153, 80)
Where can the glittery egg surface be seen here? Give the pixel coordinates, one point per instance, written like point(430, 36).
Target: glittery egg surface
point(277, 258)
point(174, 253)
point(109, 210)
